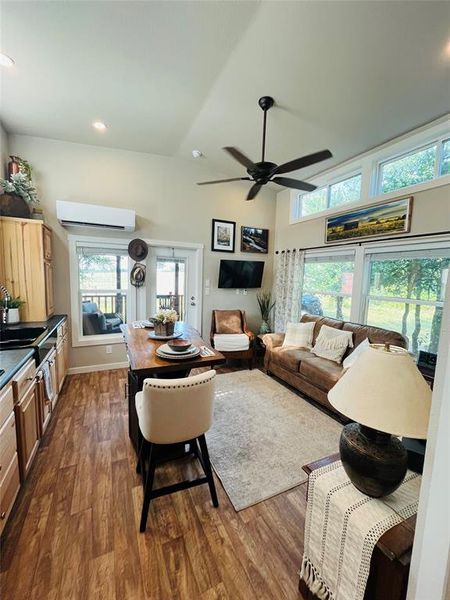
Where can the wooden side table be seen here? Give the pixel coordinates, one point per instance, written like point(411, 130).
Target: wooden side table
point(389, 567)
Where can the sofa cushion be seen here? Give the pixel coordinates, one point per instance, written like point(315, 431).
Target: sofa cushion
point(319, 321)
point(332, 343)
point(299, 335)
point(289, 358)
point(321, 372)
point(228, 321)
point(376, 335)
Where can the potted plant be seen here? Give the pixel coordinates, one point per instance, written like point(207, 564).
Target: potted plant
point(265, 306)
point(164, 322)
point(19, 194)
point(13, 309)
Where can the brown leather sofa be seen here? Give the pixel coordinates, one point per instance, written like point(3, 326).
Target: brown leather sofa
point(310, 374)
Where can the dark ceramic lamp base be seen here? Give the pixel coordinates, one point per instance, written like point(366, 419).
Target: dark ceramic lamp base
point(374, 461)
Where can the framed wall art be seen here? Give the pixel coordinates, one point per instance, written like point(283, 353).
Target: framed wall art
point(254, 239)
point(223, 235)
point(391, 217)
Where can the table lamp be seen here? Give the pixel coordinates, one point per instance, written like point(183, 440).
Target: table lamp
point(385, 393)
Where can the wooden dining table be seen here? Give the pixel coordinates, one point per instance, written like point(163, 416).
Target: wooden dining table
point(145, 363)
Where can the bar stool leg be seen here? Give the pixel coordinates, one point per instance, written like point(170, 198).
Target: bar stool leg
point(208, 470)
point(148, 486)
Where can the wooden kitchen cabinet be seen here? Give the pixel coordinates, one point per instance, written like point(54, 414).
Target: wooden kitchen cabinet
point(26, 269)
point(9, 465)
point(28, 431)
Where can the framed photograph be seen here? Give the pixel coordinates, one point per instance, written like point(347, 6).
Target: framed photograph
point(254, 239)
point(223, 235)
point(384, 218)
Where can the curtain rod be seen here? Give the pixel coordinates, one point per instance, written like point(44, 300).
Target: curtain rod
point(398, 237)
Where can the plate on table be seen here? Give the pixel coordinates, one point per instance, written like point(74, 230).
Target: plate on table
point(152, 335)
point(165, 352)
point(166, 349)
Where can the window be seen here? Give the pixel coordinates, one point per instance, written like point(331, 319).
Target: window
point(343, 192)
point(416, 167)
point(336, 194)
point(328, 286)
point(314, 202)
point(445, 158)
point(406, 292)
point(102, 289)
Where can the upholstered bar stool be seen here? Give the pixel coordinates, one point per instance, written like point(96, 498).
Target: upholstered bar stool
point(171, 411)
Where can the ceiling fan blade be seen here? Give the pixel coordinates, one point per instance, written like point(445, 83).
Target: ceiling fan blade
point(294, 183)
point(305, 161)
point(254, 191)
point(241, 158)
point(224, 180)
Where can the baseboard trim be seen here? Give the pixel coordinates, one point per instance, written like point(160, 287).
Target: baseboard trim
point(102, 367)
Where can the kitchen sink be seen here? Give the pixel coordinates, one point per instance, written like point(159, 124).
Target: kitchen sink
point(19, 337)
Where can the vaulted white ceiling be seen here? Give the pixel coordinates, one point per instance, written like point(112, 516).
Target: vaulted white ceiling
point(168, 77)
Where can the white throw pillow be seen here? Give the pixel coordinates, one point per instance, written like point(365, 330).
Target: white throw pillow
point(353, 357)
point(299, 335)
point(332, 343)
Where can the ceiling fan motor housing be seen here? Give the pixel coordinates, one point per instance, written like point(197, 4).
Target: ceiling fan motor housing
point(261, 172)
point(266, 102)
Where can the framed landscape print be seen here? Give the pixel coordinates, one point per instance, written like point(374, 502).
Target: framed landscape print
point(254, 239)
point(223, 235)
point(384, 218)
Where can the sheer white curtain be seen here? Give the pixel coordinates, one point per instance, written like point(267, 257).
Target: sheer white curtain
point(287, 289)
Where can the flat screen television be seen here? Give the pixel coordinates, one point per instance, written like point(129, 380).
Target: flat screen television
point(240, 274)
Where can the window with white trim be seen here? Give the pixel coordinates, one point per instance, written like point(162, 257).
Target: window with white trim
point(102, 280)
point(405, 293)
point(333, 195)
point(328, 285)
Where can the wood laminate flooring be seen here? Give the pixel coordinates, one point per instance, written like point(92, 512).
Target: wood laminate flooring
point(75, 534)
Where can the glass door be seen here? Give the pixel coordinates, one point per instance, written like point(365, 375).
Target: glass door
point(172, 283)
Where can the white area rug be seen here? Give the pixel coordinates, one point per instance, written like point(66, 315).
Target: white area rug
point(262, 435)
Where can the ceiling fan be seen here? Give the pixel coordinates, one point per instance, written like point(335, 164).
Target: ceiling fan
point(264, 172)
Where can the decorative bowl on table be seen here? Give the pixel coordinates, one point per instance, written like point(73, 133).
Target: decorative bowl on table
point(179, 345)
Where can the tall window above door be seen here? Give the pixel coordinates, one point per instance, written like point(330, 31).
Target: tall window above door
point(102, 290)
point(328, 285)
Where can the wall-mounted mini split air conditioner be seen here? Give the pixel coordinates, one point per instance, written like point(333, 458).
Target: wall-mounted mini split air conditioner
point(77, 214)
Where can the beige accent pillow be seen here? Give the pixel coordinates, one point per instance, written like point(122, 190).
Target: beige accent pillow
point(299, 335)
point(331, 343)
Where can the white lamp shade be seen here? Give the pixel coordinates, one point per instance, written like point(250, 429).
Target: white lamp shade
point(386, 391)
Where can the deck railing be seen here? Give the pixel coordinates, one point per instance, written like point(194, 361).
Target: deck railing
point(171, 302)
point(109, 303)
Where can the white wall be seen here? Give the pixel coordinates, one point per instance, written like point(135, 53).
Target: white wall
point(168, 204)
point(430, 558)
point(4, 151)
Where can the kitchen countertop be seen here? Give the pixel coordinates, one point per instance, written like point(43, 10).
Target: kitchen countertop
point(12, 361)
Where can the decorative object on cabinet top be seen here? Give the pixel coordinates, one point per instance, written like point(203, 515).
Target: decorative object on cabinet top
point(19, 195)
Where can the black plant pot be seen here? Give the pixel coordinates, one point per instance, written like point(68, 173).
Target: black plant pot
point(374, 461)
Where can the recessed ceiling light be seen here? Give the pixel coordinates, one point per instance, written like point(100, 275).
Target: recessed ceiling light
point(6, 61)
point(197, 153)
point(99, 125)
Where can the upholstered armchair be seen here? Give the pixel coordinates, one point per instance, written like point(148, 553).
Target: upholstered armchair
point(231, 336)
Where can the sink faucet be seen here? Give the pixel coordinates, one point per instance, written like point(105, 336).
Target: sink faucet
point(4, 308)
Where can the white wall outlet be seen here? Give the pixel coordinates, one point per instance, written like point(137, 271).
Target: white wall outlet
point(238, 291)
point(108, 349)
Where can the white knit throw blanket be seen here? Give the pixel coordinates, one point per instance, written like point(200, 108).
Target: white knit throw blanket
point(342, 528)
